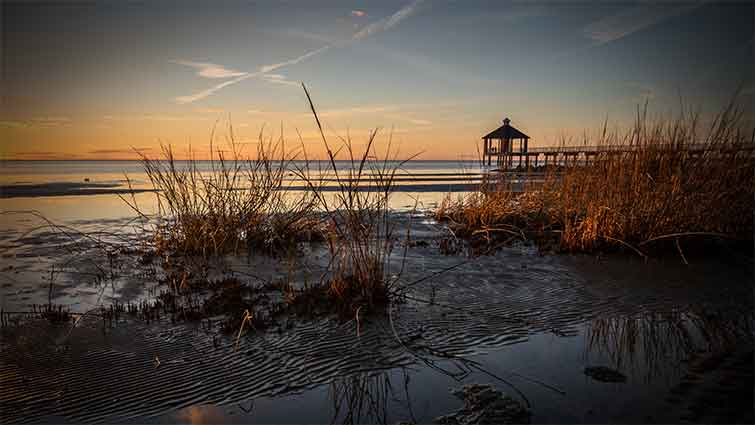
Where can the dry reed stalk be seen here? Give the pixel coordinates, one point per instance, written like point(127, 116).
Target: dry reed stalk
point(657, 182)
point(238, 203)
point(359, 218)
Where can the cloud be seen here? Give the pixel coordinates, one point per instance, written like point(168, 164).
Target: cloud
point(210, 70)
point(633, 19)
point(37, 122)
point(280, 79)
point(118, 151)
point(13, 124)
point(204, 93)
point(310, 36)
point(389, 22)
point(262, 71)
point(152, 117)
point(39, 155)
point(272, 67)
point(371, 29)
point(358, 13)
point(419, 122)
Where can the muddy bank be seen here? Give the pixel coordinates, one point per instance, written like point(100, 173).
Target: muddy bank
point(528, 323)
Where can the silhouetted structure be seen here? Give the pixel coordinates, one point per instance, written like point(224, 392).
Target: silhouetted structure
point(506, 137)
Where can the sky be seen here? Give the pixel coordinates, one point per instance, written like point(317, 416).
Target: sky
point(103, 80)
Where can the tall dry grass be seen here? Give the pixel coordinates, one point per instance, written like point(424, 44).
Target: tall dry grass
point(245, 204)
point(660, 182)
point(238, 203)
point(361, 231)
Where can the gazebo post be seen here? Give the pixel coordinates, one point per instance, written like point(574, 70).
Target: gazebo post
point(520, 153)
point(485, 152)
point(505, 150)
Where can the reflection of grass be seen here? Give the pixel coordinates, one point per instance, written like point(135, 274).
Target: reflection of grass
point(659, 339)
point(665, 187)
point(367, 398)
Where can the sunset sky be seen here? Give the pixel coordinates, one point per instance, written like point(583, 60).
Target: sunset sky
point(93, 80)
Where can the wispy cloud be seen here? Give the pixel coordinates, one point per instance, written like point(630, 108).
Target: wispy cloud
point(280, 79)
point(153, 117)
point(31, 155)
point(371, 29)
point(210, 70)
point(389, 22)
point(129, 151)
point(272, 67)
point(37, 122)
point(633, 19)
point(204, 93)
point(419, 122)
point(262, 71)
point(358, 13)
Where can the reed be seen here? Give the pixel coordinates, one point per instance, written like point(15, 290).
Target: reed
point(237, 204)
point(658, 184)
point(361, 233)
point(246, 204)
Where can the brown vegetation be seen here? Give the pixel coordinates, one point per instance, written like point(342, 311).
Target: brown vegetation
point(360, 239)
point(663, 185)
point(240, 203)
point(245, 205)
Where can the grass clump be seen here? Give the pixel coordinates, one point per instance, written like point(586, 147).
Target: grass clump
point(360, 238)
point(658, 183)
point(229, 204)
point(207, 210)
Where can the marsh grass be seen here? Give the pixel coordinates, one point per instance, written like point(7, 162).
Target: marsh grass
point(238, 204)
point(361, 236)
point(651, 189)
point(246, 205)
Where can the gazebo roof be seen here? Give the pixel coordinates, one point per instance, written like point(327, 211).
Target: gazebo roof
point(506, 131)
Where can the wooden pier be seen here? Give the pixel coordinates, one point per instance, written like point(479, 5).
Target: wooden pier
point(507, 148)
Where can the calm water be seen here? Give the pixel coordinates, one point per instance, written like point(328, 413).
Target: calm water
point(49, 186)
point(530, 324)
point(20, 172)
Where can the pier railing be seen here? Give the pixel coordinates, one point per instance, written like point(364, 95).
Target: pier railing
point(554, 150)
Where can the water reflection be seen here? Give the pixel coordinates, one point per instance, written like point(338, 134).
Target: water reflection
point(202, 415)
point(651, 343)
point(371, 397)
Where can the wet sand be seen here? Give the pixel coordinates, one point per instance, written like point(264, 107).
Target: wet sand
point(681, 335)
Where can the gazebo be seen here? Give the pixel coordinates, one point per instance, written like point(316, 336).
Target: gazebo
point(506, 137)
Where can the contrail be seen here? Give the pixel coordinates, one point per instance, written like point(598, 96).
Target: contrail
point(387, 23)
point(371, 29)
